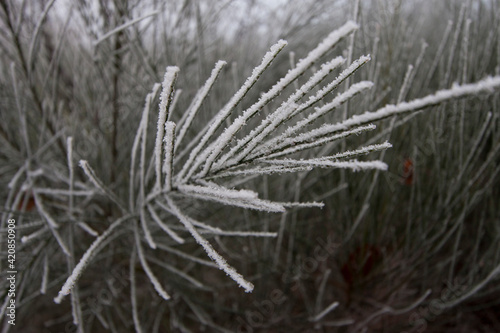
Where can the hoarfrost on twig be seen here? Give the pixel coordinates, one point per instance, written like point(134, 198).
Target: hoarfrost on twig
point(198, 100)
point(156, 284)
point(221, 262)
point(164, 227)
point(354, 165)
point(238, 123)
point(84, 261)
point(241, 198)
point(165, 99)
point(219, 118)
point(169, 141)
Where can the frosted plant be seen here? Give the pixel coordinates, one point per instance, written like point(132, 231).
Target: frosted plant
point(180, 168)
point(196, 186)
point(199, 169)
point(208, 159)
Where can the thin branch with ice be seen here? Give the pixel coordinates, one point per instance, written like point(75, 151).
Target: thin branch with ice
point(165, 99)
point(221, 262)
point(195, 156)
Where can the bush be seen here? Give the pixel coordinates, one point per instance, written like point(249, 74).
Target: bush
point(136, 203)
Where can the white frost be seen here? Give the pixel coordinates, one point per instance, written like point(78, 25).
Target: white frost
point(219, 260)
point(308, 140)
point(169, 141)
point(354, 165)
point(84, 261)
point(198, 100)
point(168, 83)
point(359, 151)
point(156, 284)
point(275, 90)
point(219, 118)
point(164, 227)
point(457, 91)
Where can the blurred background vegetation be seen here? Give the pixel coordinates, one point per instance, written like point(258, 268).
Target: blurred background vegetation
point(429, 223)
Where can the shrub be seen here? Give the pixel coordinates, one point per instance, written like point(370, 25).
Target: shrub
point(146, 221)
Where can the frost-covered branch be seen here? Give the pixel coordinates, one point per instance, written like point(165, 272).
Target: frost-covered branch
point(488, 84)
point(192, 110)
point(84, 261)
point(221, 262)
point(165, 99)
point(204, 168)
point(189, 168)
point(354, 165)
